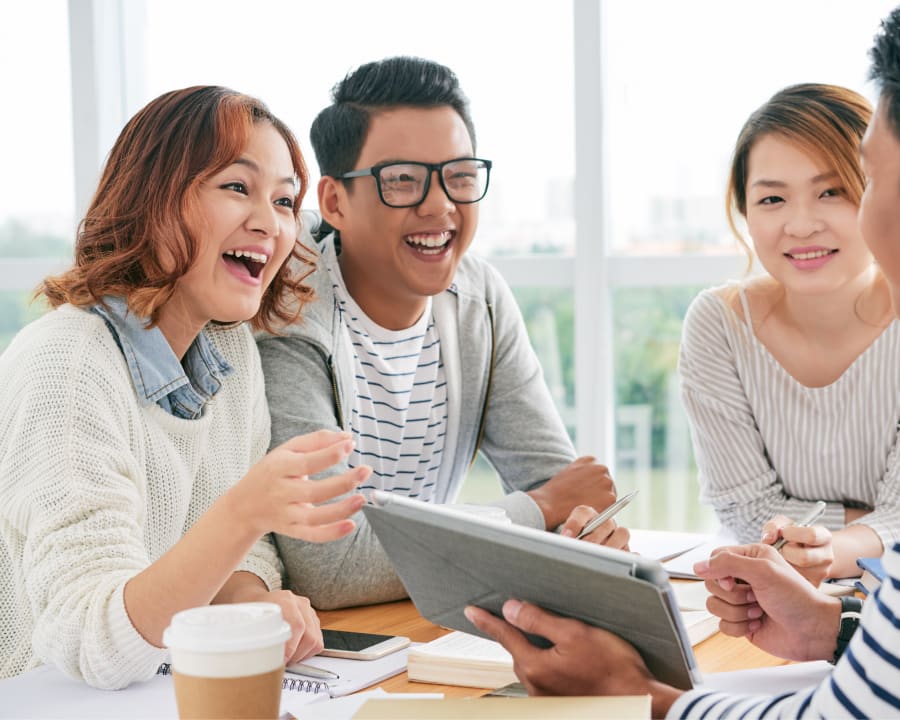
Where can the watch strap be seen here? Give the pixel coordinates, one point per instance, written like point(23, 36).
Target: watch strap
point(851, 609)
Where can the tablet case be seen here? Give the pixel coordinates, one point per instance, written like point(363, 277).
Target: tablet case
point(448, 560)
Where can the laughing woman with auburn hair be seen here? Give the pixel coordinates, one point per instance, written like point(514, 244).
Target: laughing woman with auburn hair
point(134, 479)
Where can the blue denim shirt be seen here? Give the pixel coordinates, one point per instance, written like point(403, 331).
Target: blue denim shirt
point(180, 388)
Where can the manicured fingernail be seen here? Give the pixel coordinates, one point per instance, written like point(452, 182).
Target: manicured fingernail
point(511, 609)
point(567, 533)
point(750, 596)
point(766, 537)
point(754, 625)
point(755, 613)
point(469, 612)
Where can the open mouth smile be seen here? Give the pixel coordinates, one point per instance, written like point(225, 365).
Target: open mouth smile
point(430, 243)
point(245, 262)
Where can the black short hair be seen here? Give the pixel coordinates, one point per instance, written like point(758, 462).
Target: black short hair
point(885, 67)
point(339, 131)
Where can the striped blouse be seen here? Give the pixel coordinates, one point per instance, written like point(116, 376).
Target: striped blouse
point(767, 445)
point(865, 682)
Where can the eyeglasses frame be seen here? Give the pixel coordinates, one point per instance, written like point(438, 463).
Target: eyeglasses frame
point(375, 171)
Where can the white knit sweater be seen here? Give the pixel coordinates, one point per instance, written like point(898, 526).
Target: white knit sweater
point(95, 487)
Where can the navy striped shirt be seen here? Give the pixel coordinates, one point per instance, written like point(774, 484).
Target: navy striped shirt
point(865, 682)
point(398, 416)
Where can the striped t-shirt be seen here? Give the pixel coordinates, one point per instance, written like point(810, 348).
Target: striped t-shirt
point(398, 416)
point(767, 445)
point(865, 682)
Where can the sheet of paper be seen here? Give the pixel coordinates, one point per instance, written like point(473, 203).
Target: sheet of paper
point(345, 708)
point(769, 681)
point(663, 544)
point(492, 708)
point(45, 692)
point(683, 565)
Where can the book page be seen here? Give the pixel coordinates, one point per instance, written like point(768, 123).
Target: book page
point(462, 646)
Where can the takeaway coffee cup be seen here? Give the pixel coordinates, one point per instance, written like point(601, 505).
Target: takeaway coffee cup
point(228, 660)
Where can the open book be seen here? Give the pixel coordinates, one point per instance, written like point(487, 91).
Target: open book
point(461, 659)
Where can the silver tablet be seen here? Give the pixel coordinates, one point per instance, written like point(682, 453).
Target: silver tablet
point(448, 560)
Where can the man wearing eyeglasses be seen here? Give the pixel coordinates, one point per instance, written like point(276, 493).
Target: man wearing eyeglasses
point(414, 345)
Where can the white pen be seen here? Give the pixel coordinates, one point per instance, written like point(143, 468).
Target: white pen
point(817, 511)
point(606, 514)
point(312, 671)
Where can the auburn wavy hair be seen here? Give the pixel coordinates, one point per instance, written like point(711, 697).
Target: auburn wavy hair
point(139, 235)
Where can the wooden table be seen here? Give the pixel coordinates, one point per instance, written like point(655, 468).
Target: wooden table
point(715, 654)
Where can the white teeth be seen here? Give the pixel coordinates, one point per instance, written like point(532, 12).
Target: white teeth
point(430, 240)
point(811, 255)
point(255, 256)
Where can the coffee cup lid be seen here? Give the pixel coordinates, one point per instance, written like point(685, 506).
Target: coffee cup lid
point(227, 628)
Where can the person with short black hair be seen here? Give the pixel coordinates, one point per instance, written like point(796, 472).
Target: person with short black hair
point(415, 345)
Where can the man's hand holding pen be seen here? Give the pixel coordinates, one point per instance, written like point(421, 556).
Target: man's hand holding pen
point(599, 527)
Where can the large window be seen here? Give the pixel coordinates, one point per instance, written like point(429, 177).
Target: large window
point(515, 66)
point(680, 80)
point(610, 124)
point(37, 183)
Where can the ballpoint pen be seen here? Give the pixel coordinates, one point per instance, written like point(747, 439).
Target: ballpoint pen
point(606, 514)
point(312, 671)
point(817, 511)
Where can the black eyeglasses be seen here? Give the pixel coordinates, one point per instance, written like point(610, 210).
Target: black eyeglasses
point(406, 184)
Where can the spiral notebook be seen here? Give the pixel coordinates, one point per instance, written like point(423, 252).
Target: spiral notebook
point(45, 692)
point(353, 675)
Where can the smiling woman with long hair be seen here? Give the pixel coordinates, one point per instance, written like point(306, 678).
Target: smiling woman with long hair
point(790, 377)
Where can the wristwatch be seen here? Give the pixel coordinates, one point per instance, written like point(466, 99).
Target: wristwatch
point(851, 607)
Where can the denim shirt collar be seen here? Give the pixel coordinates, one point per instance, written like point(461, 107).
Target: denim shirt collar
point(180, 388)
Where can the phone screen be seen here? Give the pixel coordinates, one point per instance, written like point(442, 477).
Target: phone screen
point(353, 641)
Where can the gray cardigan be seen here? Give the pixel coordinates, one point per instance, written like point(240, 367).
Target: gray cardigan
point(310, 376)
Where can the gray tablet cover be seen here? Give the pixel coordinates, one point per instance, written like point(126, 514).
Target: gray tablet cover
point(448, 560)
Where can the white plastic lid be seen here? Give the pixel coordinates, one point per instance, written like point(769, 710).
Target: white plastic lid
point(227, 628)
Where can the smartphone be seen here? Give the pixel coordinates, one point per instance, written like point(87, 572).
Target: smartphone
point(360, 646)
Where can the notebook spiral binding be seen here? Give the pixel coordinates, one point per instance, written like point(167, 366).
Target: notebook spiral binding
point(294, 684)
